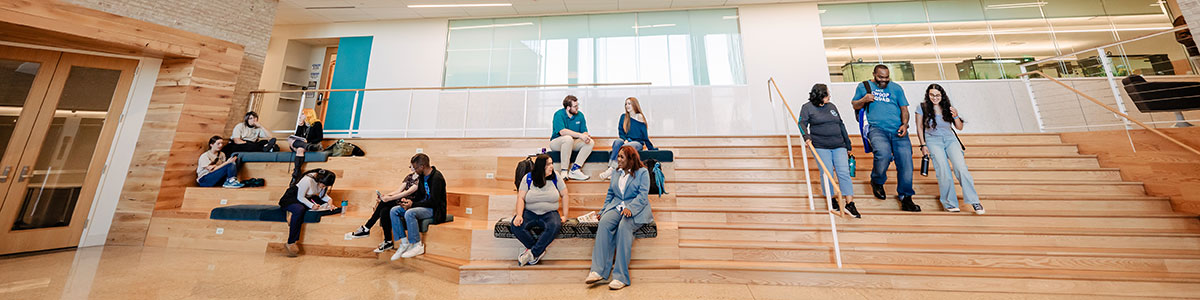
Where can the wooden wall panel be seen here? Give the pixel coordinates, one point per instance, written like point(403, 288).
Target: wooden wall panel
point(1165, 168)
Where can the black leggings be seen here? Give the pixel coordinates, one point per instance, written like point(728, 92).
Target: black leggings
point(381, 215)
point(258, 146)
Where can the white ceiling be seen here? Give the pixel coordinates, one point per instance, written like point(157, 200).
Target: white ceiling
point(295, 12)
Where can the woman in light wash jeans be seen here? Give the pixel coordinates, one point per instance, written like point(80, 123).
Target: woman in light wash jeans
point(939, 120)
point(821, 123)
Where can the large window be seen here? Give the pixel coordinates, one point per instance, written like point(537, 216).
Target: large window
point(670, 48)
point(988, 39)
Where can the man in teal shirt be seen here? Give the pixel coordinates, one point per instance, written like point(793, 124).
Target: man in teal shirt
point(571, 134)
point(887, 113)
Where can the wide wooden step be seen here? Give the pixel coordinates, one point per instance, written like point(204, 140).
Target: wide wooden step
point(561, 271)
point(1113, 203)
point(782, 150)
point(1011, 235)
point(922, 185)
point(785, 173)
point(1052, 258)
point(1070, 161)
point(779, 140)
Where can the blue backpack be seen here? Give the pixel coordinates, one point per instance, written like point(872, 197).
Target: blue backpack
point(863, 125)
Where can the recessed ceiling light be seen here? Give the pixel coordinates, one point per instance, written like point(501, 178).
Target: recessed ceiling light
point(1017, 5)
point(460, 5)
point(329, 7)
point(491, 26)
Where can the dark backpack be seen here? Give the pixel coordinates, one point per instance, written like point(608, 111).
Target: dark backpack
point(657, 180)
point(523, 168)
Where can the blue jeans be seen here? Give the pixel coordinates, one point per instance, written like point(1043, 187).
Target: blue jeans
point(549, 222)
point(410, 218)
point(218, 176)
point(617, 144)
point(888, 146)
point(839, 160)
point(945, 151)
point(613, 235)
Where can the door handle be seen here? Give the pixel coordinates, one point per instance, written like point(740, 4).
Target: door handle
point(4, 175)
point(23, 176)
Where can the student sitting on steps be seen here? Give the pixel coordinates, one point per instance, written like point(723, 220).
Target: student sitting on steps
point(383, 206)
point(538, 200)
point(309, 134)
point(250, 136)
point(213, 169)
point(632, 131)
point(626, 208)
point(406, 216)
point(571, 134)
point(310, 192)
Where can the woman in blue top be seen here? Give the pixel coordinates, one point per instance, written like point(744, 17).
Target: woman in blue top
point(632, 132)
point(939, 120)
point(626, 208)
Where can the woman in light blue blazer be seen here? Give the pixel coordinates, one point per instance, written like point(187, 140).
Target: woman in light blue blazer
point(626, 208)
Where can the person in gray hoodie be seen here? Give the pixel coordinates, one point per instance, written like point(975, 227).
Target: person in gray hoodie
point(821, 124)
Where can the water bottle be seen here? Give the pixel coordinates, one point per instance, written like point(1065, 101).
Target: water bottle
point(925, 165)
point(853, 165)
point(344, 203)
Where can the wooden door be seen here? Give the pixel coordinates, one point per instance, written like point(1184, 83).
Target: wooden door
point(56, 170)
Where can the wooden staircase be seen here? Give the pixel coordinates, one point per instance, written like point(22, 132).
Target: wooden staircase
point(1057, 221)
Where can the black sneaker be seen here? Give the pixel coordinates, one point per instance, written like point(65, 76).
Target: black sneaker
point(877, 189)
point(385, 246)
point(362, 232)
point(852, 210)
point(836, 206)
point(906, 204)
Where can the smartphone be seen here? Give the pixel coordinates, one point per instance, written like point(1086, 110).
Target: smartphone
point(378, 194)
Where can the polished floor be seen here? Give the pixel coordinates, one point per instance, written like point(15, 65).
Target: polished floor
point(123, 272)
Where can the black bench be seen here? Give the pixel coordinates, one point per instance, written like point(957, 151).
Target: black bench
point(582, 230)
point(1162, 96)
point(272, 213)
point(247, 157)
point(662, 156)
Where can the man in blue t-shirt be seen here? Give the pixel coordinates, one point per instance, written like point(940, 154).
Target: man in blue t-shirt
point(571, 134)
point(887, 115)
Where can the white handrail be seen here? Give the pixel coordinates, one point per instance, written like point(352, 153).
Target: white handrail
point(828, 179)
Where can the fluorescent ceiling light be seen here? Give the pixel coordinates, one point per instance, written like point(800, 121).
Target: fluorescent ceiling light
point(460, 5)
point(491, 26)
point(729, 18)
point(329, 7)
point(1017, 5)
point(654, 26)
point(997, 32)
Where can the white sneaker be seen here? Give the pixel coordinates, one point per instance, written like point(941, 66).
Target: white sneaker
point(577, 174)
point(616, 285)
point(398, 254)
point(607, 174)
point(978, 209)
point(593, 277)
point(537, 259)
point(954, 209)
point(524, 258)
point(414, 250)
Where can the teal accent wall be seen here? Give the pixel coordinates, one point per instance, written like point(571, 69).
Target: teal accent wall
point(350, 72)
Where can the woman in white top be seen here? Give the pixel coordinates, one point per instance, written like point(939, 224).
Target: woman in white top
point(538, 199)
point(626, 208)
point(311, 192)
point(213, 169)
point(250, 136)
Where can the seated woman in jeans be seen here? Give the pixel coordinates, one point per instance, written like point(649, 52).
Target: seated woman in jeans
point(538, 200)
point(631, 132)
point(820, 122)
point(213, 169)
point(311, 192)
point(626, 208)
point(938, 121)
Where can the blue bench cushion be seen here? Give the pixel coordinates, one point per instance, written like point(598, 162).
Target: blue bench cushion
point(571, 229)
point(424, 223)
point(662, 156)
point(257, 212)
point(280, 156)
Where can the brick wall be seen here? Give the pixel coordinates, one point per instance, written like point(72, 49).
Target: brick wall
point(244, 22)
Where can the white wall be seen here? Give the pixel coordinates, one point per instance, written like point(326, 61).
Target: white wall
point(121, 154)
point(783, 41)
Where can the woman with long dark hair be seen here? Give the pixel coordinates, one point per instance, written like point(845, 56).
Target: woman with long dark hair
point(310, 192)
point(821, 124)
point(626, 208)
point(538, 199)
point(939, 120)
point(631, 131)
